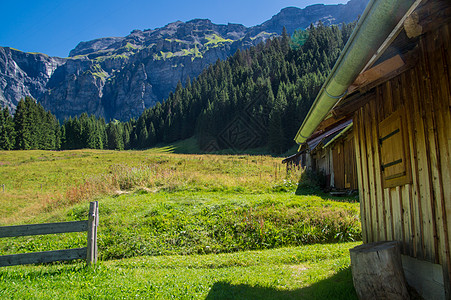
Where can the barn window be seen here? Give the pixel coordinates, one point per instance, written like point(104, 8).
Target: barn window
point(395, 157)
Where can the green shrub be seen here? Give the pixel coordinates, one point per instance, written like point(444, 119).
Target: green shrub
point(311, 181)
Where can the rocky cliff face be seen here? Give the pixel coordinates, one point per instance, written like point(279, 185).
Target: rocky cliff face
point(294, 18)
point(119, 77)
point(23, 74)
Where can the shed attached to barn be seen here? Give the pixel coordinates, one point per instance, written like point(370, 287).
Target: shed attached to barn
point(394, 80)
point(330, 150)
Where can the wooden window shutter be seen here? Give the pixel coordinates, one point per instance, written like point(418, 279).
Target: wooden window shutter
point(395, 157)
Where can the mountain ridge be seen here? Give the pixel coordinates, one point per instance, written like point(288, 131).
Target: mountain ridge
point(119, 77)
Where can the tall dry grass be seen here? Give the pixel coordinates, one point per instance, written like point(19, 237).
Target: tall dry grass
point(39, 181)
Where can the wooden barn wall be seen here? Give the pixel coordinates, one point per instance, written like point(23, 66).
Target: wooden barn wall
point(323, 162)
point(344, 164)
point(417, 213)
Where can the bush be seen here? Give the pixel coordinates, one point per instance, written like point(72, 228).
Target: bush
point(311, 181)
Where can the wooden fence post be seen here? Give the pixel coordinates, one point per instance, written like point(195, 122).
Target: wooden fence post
point(93, 223)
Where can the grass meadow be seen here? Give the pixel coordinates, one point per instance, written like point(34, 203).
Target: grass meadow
point(175, 226)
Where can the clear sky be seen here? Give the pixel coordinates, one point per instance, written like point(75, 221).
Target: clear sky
point(54, 27)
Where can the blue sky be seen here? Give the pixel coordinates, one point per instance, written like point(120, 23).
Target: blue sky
point(55, 27)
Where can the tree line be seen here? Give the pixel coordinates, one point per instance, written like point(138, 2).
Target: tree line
point(32, 127)
point(256, 98)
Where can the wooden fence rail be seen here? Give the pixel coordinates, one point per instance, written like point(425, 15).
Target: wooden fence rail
point(89, 253)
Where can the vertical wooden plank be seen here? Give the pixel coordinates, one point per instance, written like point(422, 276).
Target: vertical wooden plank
point(343, 162)
point(369, 133)
point(357, 141)
point(396, 93)
point(385, 204)
point(411, 233)
point(446, 30)
point(93, 223)
point(444, 130)
point(96, 253)
point(384, 112)
point(433, 65)
point(397, 215)
point(412, 117)
point(423, 172)
point(390, 219)
point(353, 179)
point(431, 146)
point(377, 175)
point(411, 215)
point(425, 189)
point(405, 217)
point(388, 100)
point(364, 155)
point(350, 162)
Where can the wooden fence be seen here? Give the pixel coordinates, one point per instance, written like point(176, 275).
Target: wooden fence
point(89, 253)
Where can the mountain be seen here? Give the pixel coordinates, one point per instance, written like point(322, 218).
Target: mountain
point(119, 77)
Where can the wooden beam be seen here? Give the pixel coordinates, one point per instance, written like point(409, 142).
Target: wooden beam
point(329, 123)
point(377, 72)
point(352, 104)
point(41, 229)
point(42, 257)
point(412, 26)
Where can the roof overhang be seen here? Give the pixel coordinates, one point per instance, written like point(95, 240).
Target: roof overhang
point(377, 28)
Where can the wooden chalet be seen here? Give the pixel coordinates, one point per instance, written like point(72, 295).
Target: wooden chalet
point(394, 80)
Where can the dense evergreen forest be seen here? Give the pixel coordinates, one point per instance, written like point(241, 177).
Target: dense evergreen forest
point(256, 98)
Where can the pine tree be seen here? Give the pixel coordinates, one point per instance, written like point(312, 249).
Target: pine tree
point(22, 126)
point(114, 138)
point(6, 130)
point(277, 141)
point(152, 138)
point(143, 138)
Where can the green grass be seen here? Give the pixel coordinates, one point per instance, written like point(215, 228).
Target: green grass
point(215, 39)
point(175, 226)
point(41, 181)
point(308, 272)
point(148, 223)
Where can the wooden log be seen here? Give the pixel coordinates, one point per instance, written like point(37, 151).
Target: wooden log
point(42, 257)
point(377, 271)
point(41, 229)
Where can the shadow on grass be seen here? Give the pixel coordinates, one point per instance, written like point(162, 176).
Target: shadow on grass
point(313, 191)
point(339, 286)
point(313, 183)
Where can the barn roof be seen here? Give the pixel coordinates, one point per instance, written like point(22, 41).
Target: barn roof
point(378, 27)
point(327, 136)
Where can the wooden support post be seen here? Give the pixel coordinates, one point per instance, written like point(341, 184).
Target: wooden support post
point(93, 223)
point(377, 271)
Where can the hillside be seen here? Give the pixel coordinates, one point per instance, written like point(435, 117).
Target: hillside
point(119, 77)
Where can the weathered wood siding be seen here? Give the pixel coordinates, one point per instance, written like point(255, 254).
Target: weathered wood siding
point(417, 210)
point(322, 161)
point(344, 163)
